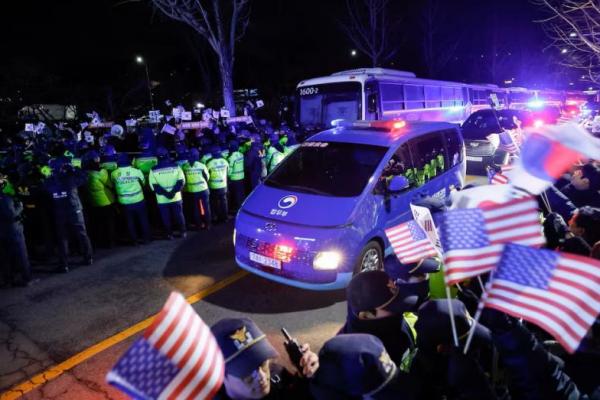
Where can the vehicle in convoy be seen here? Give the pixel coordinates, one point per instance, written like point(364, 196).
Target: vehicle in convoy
point(320, 216)
point(385, 94)
point(481, 150)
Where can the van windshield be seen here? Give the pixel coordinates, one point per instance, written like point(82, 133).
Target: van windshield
point(328, 169)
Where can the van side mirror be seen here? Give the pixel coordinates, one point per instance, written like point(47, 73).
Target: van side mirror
point(398, 184)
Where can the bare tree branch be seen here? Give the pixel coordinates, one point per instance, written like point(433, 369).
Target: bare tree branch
point(573, 27)
point(221, 23)
point(368, 28)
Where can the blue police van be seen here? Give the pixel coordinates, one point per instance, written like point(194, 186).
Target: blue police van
point(320, 216)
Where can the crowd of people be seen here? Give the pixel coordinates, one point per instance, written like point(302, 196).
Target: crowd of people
point(67, 188)
point(397, 341)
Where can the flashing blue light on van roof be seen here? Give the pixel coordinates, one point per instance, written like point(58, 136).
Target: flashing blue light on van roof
point(537, 103)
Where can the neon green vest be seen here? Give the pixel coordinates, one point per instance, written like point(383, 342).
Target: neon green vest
point(270, 151)
point(217, 171)
point(145, 164)
point(167, 178)
point(206, 158)
point(110, 166)
point(276, 158)
point(99, 188)
point(236, 166)
point(194, 177)
point(128, 184)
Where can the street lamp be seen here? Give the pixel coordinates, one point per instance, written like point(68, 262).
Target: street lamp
point(140, 60)
point(564, 51)
point(353, 53)
point(572, 34)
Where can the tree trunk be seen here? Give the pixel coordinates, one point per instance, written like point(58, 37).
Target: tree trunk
point(226, 71)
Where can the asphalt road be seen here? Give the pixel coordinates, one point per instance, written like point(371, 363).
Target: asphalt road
point(67, 315)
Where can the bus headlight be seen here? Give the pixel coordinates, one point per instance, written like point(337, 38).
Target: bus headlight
point(327, 260)
point(234, 231)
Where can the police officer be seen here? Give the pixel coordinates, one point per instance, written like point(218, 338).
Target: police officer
point(129, 183)
point(108, 161)
point(270, 149)
point(182, 154)
point(277, 156)
point(253, 164)
point(102, 199)
point(250, 368)
point(236, 175)
point(12, 239)
point(166, 180)
point(195, 191)
point(147, 159)
point(218, 169)
point(68, 213)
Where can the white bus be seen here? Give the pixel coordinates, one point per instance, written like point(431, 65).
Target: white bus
point(382, 94)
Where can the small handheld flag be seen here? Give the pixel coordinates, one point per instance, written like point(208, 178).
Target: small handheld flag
point(473, 238)
point(176, 358)
point(410, 243)
point(559, 292)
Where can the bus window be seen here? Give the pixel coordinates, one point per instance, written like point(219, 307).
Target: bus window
point(414, 97)
point(433, 96)
point(392, 97)
point(448, 97)
point(459, 99)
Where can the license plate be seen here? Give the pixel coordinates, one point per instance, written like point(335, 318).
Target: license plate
point(266, 261)
point(471, 158)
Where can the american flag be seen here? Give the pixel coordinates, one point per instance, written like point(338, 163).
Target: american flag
point(559, 292)
point(507, 142)
point(497, 177)
point(410, 243)
point(176, 358)
point(473, 238)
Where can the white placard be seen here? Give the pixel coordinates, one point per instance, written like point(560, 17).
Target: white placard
point(423, 217)
point(169, 129)
point(245, 118)
point(186, 116)
point(131, 122)
point(30, 127)
point(259, 104)
point(195, 125)
point(225, 113)
point(176, 112)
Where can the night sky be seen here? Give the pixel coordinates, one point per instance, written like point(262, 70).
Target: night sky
point(84, 51)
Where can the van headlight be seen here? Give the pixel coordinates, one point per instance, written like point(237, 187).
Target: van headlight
point(327, 260)
point(234, 231)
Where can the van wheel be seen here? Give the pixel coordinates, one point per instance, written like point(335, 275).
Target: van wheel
point(371, 258)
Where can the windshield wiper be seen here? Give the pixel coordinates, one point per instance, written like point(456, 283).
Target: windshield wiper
point(307, 190)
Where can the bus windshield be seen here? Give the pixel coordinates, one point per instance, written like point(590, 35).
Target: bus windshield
point(321, 104)
point(328, 169)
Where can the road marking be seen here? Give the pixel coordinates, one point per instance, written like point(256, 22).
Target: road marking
point(53, 372)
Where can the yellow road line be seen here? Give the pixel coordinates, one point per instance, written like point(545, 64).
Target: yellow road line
point(57, 370)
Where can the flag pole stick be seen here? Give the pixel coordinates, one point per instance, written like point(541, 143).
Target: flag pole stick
point(473, 326)
point(481, 284)
point(451, 313)
point(477, 314)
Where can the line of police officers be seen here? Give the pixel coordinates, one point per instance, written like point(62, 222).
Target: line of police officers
point(202, 184)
